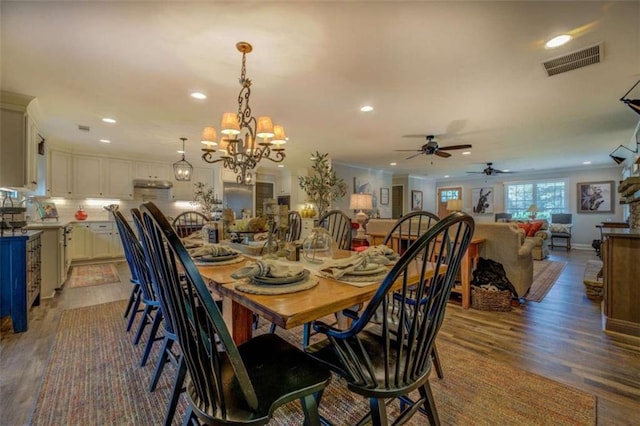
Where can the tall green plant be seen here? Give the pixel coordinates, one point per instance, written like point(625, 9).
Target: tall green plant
point(323, 187)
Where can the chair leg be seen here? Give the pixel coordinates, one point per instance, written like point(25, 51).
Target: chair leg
point(430, 403)
point(272, 328)
point(310, 409)
point(157, 320)
point(188, 416)
point(136, 309)
point(176, 390)
point(436, 362)
point(135, 293)
point(378, 412)
point(167, 343)
point(143, 323)
point(306, 334)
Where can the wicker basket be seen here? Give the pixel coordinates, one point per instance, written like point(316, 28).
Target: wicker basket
point(487, 300)
point(593, 284)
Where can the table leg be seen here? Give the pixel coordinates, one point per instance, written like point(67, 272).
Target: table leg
point(242, 320)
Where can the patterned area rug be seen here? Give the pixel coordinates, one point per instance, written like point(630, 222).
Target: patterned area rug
point(93, 377)
point(545, 274)
point(88, 275)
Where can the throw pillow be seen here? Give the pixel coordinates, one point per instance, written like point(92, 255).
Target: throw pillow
point(560, 227)
point(535, 227)
point(525, 227)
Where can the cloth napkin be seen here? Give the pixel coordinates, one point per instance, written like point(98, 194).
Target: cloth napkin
point(369, 259)
point(268, 268)
point(193, 240)
point(207, 249)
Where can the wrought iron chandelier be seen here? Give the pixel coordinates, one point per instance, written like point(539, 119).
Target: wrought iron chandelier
point(240, 150)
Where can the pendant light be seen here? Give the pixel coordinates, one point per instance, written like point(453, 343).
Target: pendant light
point(182, 169)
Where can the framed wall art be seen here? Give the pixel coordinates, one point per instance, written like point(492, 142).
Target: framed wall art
point(384, 196)
point(416, 200)
point(596, 197)
point(482, 200)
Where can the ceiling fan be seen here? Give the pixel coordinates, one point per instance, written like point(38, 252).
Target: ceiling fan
point(490, 171)
point(431, 147)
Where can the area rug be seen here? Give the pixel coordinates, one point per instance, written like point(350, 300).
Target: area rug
point(545, 274)
point(93, 377)
point(96, 274)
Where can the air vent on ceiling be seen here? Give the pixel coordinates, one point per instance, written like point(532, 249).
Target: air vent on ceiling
point(84, 128)
point(574, 60)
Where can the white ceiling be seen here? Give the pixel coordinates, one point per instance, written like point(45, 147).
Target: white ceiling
point(468, 71)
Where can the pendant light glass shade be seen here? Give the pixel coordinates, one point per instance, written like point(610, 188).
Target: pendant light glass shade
point(182, 169)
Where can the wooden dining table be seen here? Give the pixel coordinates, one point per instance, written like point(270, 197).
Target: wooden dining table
point(292, 309)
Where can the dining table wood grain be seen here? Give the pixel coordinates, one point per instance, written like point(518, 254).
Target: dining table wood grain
point(292, 309)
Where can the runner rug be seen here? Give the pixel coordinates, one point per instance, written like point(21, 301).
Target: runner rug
point(88, 275)
point(93, 377)
point(545, 274)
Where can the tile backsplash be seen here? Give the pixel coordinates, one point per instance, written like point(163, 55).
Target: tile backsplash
point(94, 208)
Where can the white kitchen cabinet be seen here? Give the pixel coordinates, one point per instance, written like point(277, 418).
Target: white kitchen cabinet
point(119, 179)
point(60, 169)
point(154, 171)
point(283, 184)
point(95, 240)
point(89, 176)
point(18, 143)
point(80, 242)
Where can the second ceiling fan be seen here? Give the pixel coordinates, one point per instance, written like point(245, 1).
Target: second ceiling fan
point(490, 171)
point(432, 147)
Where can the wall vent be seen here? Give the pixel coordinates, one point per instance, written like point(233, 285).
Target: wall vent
point(574, 60)
point(84, 128)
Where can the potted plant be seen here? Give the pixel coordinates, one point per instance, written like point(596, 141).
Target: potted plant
point(205, 197)
point(323, 187)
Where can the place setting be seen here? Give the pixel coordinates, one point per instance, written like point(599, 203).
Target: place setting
point(273, 277)
point(207, 254)
point(362, 269)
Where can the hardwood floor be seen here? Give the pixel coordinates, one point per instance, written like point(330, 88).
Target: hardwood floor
point(560, 338)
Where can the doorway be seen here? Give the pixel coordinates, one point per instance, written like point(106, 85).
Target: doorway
point(397, 201)
point(446, 194)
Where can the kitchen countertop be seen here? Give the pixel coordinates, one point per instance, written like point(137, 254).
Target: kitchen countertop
point(48, 224)
point(20, 234)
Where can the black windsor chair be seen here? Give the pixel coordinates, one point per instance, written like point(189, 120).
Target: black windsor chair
point(167, 354)
point(406, 231)
point(227, 384)
point(186, 223)
point(295, 226)
point(338, 225)
point(150, 314)
point(133, 304)
point(391, 357)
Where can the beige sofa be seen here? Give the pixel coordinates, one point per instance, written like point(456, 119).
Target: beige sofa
point(506, 243)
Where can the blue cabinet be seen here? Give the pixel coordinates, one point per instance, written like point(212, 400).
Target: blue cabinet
point(20, 276)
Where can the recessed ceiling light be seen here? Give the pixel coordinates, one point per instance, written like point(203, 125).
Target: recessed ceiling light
point(109, 120)
point(366, 108)
point(393, 164)
point(446, 176)
point(198, 95)
point(466, 153)
point(506, 170)
point(180, 151)
point(586, 162)
point(281, 165)
point(557, 41)
point(105, 141)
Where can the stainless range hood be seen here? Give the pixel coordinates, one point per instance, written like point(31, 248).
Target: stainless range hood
point(147, 183)
point(151, 190)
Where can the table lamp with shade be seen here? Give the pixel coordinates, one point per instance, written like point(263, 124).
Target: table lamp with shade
point(361, 202)
point(454, 205)
point(533, 211)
